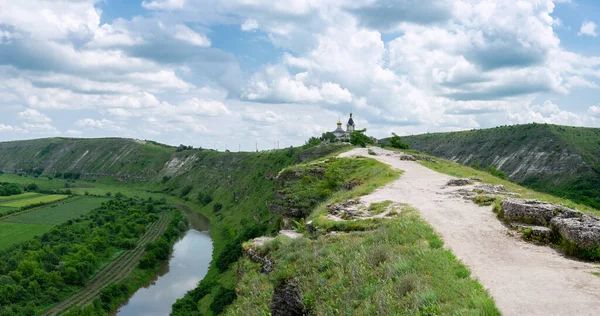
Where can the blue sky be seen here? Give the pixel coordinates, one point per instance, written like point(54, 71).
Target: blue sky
point(238, 72)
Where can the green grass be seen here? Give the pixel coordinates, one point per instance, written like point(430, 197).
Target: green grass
point(460, 171)
point(60, 213)
point(26, 195)
point(400, 267)
point(12, 233)
point(5, 209)
point(35, 200)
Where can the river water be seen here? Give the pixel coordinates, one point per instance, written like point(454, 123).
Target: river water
point(187, 266)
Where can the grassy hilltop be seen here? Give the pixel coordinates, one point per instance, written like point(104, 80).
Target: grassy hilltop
point(561, 160)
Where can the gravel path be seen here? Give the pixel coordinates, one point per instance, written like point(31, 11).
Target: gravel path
point(523, 278)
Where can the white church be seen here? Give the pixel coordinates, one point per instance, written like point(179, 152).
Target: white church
point(344, 135)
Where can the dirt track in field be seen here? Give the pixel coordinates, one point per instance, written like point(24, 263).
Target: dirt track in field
point(115, 271)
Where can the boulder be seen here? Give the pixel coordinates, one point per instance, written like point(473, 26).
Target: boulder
point(407, 157)
point(583, 231)
point(534, 211)
point(458, 182)
point(290, 233)
point(287, 300)
point(539, 233)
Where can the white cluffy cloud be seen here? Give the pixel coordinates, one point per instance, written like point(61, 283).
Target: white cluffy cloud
point(588, 28)
point(164, 4)
point(404, 66)
point(249, 25)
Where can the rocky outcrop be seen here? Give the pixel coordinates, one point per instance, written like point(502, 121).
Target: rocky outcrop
point(534, 212)
point(251, 251)
point(580, 229)
point(532, 232)
point(458, 182)
point(583, 231)
point(287, 300)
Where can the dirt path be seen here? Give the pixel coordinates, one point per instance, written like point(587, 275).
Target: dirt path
point(118, 269)
point(523, 278)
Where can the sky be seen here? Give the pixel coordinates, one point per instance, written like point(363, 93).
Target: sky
point(231, 74)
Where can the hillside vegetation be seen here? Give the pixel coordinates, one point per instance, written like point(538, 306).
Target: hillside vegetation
point(561, 160)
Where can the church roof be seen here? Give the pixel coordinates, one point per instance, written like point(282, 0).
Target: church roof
point(351, 121)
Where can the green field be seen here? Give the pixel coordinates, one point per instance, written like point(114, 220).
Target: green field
point(18, 197)
point(35, 200)
point(56, 214)
point(12, 233)
point(5, 209)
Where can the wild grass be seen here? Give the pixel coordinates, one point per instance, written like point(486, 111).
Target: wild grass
point(397, 267)
point(460, 171)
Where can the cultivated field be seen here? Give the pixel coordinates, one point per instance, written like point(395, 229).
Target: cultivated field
point(25, 195)
point(33, 200)
point(113, 272)
point(24, 225)
point(12, 233)
point(56, 214)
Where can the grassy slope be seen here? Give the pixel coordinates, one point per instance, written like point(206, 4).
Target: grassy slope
point(382, 266)
point(561, 160)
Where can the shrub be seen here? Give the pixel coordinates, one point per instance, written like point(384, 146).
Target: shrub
point(217, 207)
point(396, 142)
point(497, 173)
point(204, 198)
point(186, 190)
point(358, 138)
point(223, 298)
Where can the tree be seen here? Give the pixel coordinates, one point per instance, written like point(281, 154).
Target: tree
point(313, 141)
point(328, 137)
point(396, 142)
point(358, 138)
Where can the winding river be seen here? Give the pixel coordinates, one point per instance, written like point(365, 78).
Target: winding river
point(187, 266)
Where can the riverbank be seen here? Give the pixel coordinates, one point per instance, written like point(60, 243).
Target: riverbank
point(187, 265)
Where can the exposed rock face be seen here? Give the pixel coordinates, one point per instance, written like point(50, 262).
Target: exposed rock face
point(253, 254)
point(458, 182)
point(534, 212)
point(407, 157)
point(287, 300)
point(583, 231)
point(580, 229)
point(539, 233)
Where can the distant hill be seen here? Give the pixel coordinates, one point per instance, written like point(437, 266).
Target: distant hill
point(88, 158)
point(560, 160)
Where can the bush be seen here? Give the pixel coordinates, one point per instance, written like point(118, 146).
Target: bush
point(223, 298)
point(497, 173)
point(358, 138)
point(396, 142)
point(217, 207)
point(186, 190)
point(204, 198)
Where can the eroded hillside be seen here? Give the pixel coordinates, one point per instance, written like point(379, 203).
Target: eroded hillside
point(561, 160)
